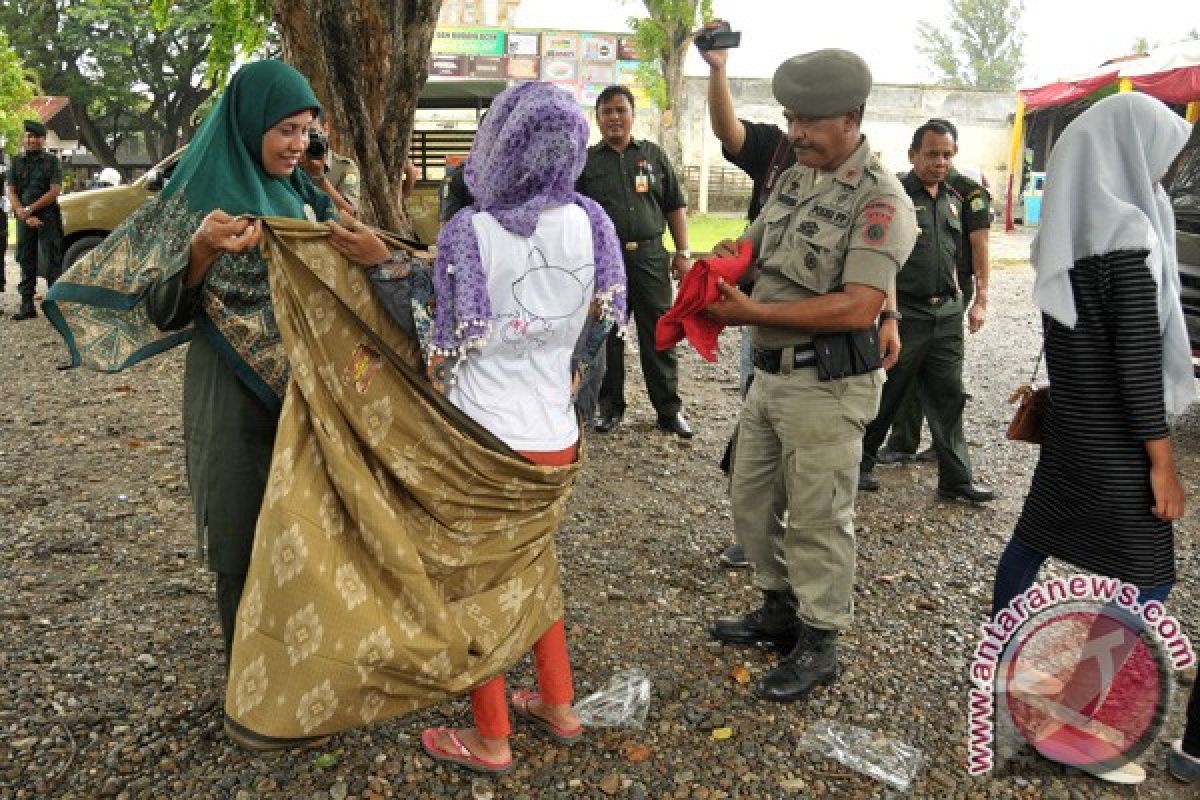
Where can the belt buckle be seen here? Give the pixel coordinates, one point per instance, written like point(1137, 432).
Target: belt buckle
point(937, 300)
point(631, 246)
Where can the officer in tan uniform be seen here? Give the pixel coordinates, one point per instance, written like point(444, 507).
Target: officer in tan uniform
point(331, 172)
point(343, 176)
point(828, 245)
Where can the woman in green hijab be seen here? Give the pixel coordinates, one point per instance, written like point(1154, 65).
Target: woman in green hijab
point(186, 266)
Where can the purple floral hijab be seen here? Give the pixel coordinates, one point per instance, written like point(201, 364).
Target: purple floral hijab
point(527, 155)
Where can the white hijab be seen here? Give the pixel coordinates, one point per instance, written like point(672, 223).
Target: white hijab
point(1102, 194)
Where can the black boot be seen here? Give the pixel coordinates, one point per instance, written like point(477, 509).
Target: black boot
point(811, 663)
point(27, 311)
point(773, 624)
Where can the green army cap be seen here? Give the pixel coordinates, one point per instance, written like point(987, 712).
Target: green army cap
point(35, 127)
point(823, 83)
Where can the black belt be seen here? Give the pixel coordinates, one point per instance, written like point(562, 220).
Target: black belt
point(933, 300)
point(770, 360)
point(633, 247)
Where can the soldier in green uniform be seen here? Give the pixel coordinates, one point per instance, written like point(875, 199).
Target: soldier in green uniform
point(931, 324)
point(3, 229)
point(33, 184)
point(635, 183)
point(827, 246)
point(972, 272)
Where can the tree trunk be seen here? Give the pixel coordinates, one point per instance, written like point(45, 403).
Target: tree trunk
point(668, 126)
point(92, 137)
point(367, 61)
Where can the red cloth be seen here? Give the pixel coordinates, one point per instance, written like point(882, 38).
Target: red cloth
point(1058, 94)
point(1180, 85)
point(697, 291)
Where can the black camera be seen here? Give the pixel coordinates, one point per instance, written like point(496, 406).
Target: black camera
point(719, 38)
point(318, 144)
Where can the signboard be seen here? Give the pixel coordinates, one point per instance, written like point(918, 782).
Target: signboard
point(625, 49)
point(600, 47)
point(604, 74)
point(524, 69)
point(627, 73)
point(558, 70)
point(491, 67)
point(443, 66)
point(560, 44)
point(524, 43)
point(469, 41)
point(591, 91)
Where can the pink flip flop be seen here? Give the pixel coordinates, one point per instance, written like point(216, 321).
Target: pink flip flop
point(461, 755)
point(520, 703)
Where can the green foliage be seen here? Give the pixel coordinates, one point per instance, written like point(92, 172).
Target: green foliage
point(662, 38)
point(981, 47)
point(123, 74)
point(240, 27)
point(16, 90)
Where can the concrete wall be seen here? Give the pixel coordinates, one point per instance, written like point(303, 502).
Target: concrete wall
point(893, 112)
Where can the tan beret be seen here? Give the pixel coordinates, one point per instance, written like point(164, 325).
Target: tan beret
point(823, 83)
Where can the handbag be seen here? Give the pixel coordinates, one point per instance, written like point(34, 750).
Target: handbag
point(1031, 400)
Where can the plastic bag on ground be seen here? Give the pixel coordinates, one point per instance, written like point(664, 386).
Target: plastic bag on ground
point(869, 752)
point(623, 703)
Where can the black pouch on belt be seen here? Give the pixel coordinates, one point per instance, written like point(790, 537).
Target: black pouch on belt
point(846, 353)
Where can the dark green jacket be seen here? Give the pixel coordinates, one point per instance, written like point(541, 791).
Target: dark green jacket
point(32, 174)
point(613, 180)
point(930, 269)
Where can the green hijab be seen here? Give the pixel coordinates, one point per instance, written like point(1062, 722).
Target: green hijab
point(222, 167)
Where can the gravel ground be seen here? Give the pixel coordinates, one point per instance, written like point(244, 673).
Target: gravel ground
point(111, 671)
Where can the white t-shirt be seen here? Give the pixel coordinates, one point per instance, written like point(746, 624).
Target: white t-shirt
point(518, 385)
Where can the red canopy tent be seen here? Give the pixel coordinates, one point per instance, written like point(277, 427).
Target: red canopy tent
point(1170, 73)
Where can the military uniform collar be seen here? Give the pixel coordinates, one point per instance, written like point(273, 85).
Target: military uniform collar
point(912, 184)
point(634, 144)
point(852, 169)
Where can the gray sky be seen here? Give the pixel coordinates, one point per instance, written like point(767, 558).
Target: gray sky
point(1062, 37)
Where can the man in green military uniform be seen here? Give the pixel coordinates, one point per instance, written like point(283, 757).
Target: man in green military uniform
point(635, 183)
point(3, 228)
point(827, 246)
point(931, 324)
point(33, 183)
point(972, 272)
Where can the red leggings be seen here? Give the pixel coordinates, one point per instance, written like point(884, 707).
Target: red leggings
point(489, 702)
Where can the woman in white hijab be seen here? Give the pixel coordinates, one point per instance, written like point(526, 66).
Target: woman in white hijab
point(1106, 490)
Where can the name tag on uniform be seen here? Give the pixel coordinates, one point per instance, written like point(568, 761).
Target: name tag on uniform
point(641, 183)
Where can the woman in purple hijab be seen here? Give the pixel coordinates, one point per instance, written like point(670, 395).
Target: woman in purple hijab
point(522, 276)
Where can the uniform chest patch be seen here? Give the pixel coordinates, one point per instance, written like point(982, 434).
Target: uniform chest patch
point(810, 261)
point(839, 218)
point(808, 228)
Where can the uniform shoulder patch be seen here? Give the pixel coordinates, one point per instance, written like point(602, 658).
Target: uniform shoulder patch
point(978, 203)
point(878, 221)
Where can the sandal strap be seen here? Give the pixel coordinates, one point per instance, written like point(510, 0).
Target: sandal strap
point(463, 750)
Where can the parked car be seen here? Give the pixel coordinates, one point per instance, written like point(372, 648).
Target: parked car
point(91, 215)
point(1183, 186)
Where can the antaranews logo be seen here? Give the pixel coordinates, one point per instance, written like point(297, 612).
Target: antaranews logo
point(1080, 669)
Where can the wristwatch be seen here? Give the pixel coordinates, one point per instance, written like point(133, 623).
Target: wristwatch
point(684, 253)
point(886, 314)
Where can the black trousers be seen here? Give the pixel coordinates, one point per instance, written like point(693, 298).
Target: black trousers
point(229, 595)
point(39, 251)
point(3, 245)
point(650, 293)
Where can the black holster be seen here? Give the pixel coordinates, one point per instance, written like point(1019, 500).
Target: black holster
point(846, 353)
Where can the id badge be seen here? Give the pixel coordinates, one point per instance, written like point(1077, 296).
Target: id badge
point(641, 183)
